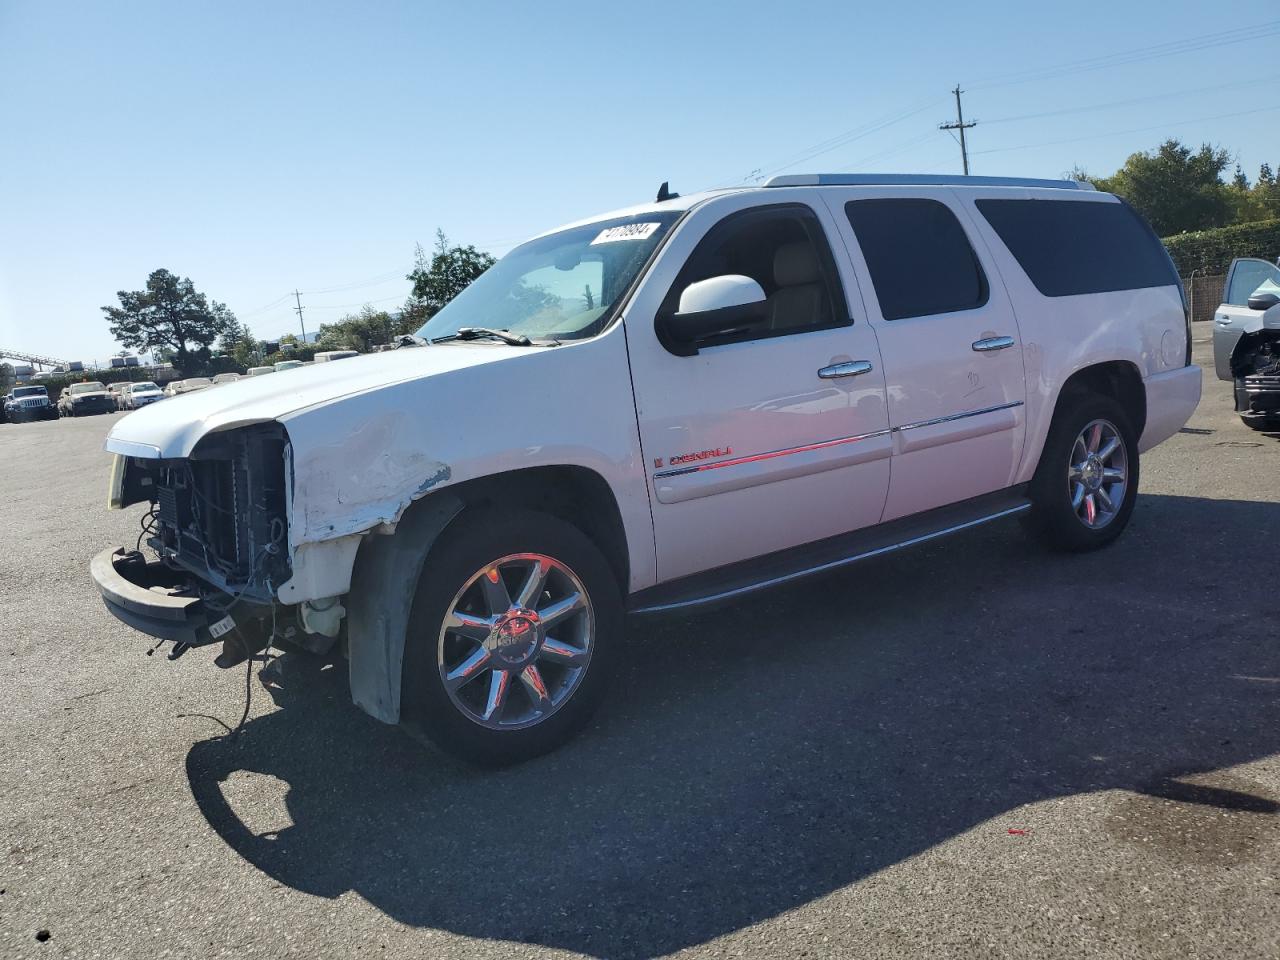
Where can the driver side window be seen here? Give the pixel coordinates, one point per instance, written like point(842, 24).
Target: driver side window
point(782, 248)
point(1249, 277)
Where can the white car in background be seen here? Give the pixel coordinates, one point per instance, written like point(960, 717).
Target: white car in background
point(225, 378)
point(260, 371)
point(653, 410)
point(1246, 340)
point(190, 385)
point(138, 395)
point(288, 365)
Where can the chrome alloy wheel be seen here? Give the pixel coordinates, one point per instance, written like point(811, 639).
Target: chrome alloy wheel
point(516, 641)
point(1097, 476)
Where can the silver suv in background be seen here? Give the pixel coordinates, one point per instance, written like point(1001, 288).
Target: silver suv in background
point(1246, 340)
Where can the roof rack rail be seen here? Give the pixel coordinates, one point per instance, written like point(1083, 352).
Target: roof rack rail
point(917, 180)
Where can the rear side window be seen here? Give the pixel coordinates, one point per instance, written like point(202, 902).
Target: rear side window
point(920, 259)
point(1071, 247)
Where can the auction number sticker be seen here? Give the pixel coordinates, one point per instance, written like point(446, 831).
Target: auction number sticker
point(223, 626)
point(629, 231)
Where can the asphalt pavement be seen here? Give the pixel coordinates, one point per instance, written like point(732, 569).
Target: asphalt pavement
point(975, 748)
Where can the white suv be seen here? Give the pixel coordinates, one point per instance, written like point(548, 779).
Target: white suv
point(663, 407)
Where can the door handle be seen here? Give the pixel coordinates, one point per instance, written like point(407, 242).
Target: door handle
point(987, 344)
point(850, 368)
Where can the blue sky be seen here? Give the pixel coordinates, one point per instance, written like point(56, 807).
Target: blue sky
point(259, 147)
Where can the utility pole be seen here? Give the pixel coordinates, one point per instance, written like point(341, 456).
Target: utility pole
point(297, 298)
point(960, 125)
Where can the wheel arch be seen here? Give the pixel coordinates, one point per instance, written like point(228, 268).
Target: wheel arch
point(388, 567)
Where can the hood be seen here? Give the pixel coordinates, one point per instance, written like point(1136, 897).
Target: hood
point(90, 395)
point(173, 428)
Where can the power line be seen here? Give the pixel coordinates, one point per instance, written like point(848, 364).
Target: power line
point(1119, 133)
point(1137, 55)
point(1252, 82)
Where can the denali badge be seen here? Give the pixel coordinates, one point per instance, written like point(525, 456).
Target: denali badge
point(701, 455)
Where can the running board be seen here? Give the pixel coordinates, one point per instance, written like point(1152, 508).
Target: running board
point(737, 579)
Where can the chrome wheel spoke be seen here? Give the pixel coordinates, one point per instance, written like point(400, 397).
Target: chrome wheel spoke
point(468, 669)
point(533, 584)
point(1077, 496)
point(469, 625)
point(495, 592)
point(1095, 438)
point(558, 652)
point(1104, 498)
point(1090, 510)
point(1113, 474)
point(536, 687)
point(558, 611)
point(499, 683)
point(1108, 448)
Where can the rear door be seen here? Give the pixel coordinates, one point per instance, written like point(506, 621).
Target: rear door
point(949, 340)
point(1234, 318)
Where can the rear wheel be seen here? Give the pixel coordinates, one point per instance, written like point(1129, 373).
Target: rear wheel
point(1084, 489)
point(513, 636)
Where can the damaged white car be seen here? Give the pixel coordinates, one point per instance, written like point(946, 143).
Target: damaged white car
point(664, 407)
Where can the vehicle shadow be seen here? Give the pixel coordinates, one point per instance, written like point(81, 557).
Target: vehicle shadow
point(760, 756)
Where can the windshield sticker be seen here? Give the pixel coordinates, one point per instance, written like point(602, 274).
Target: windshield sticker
point(630, 231)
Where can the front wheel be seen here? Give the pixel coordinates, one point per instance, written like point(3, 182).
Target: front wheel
point(1085, 486)
point(513, 636)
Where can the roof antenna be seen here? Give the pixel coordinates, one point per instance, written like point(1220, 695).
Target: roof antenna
point(664, 192)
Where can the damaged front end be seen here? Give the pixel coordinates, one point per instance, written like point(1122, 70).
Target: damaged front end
point(213, 550)
point(1255, 371)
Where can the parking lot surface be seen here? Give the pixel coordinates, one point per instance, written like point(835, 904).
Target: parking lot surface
point(973, 748)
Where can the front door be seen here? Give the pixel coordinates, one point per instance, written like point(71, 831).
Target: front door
point(761, 440)
point(949, 340)
point(1234, 318)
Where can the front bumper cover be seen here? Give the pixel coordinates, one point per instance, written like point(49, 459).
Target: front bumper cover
point(150, 597)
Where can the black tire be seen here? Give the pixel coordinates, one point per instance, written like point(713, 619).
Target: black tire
point(1267, 424)
point(1053, 519)
point(476, 540)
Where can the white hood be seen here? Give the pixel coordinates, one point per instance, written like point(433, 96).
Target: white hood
point(173, 428)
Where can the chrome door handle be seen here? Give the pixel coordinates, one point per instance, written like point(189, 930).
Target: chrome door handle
point(850, 368)
point(987, 344)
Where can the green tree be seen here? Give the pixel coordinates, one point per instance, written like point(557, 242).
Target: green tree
point(1175, 188)
point(449, 271)
point(358, 331)
point(169, 315)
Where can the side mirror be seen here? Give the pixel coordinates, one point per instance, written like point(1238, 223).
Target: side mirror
point(1263, 301)
point(711, 307)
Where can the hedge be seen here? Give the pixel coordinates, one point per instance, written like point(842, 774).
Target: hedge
point(1210, 252)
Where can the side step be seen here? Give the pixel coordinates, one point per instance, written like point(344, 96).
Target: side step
point(736, 579)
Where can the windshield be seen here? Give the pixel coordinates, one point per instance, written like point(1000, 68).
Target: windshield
point(195, 382)
point(143, 388)
point(87, 388)
point(30, 392)
point(564, 286)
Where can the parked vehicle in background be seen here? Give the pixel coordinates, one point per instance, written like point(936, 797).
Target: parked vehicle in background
point(83, 399)
point(190, 385)
point(327, 356)
point(260, 371)
point(1246, 340)
point(29, 403)
point(703, 396)
point(139, 395)
point(225, 378)
point(288, 365)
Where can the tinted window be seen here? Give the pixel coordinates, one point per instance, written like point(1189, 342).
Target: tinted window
point(920, 260)
point(782, 248)
point(1069, 247)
